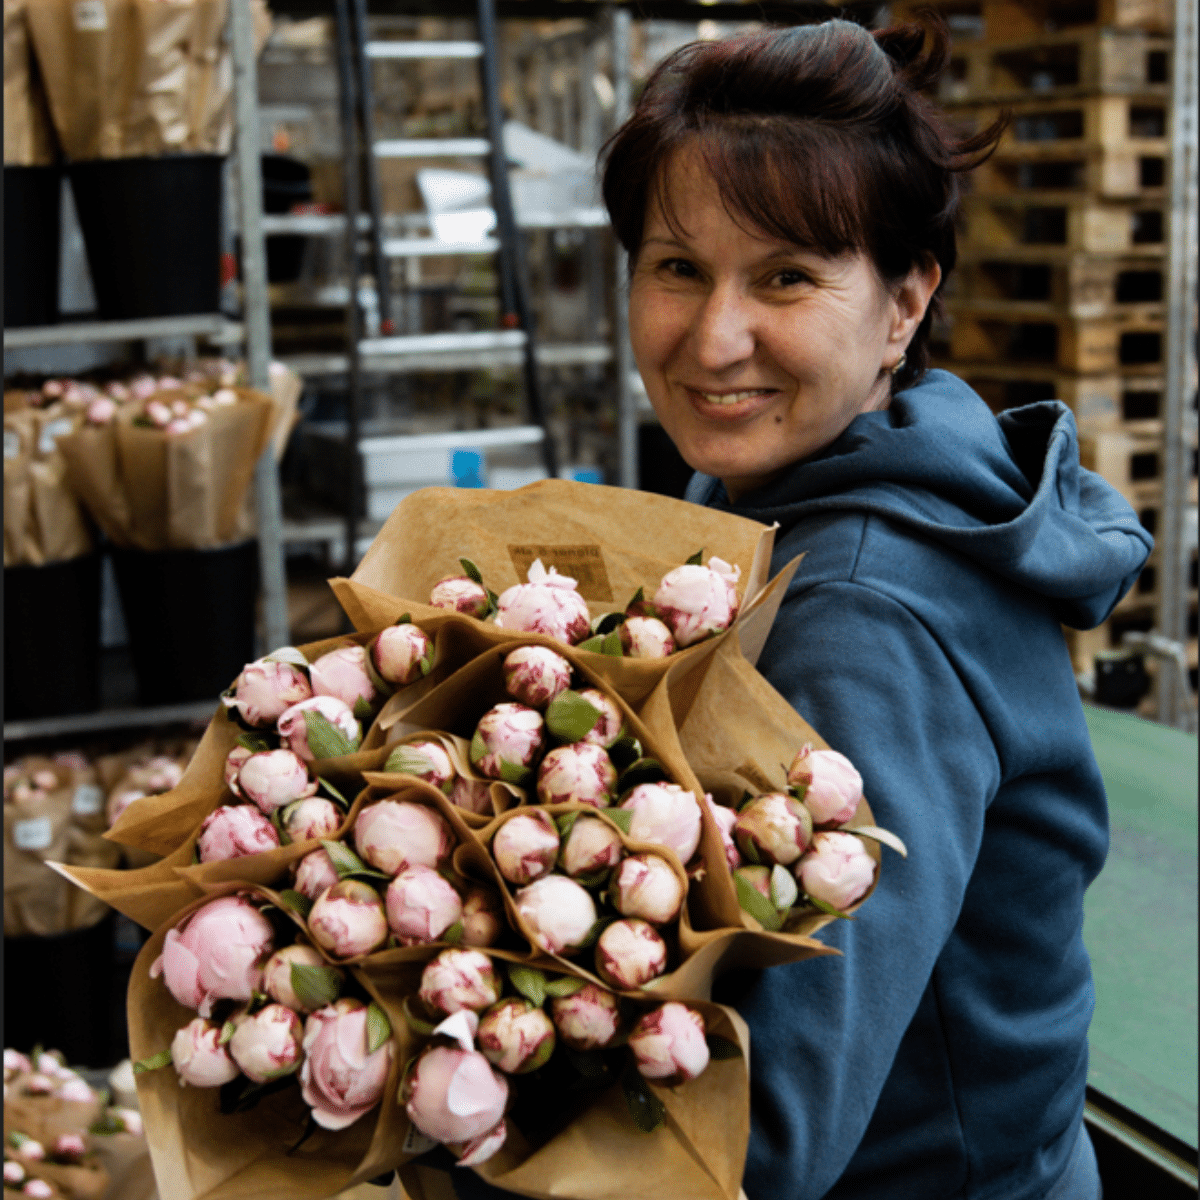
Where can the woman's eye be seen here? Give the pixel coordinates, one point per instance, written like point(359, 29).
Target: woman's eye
point(790, 278)
point(679, 267)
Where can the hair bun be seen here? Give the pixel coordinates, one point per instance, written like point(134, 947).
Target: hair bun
point(905, 45)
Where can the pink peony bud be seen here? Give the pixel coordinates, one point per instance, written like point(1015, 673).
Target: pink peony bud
point(581, 773)
point(525, 847)
point(558, 911)
point(458, 980)
point(508, 735)
point(233, 764)
point(14, 1173)
point(630, 953)
point(669, 1044)
point(37, 1189)
point(483, 917)
point(455, 1095)
point(837, 869)
point(726, 819)
point(266, 1044)
point(665, 814)
point(591, 845)
point(343, 673)
point(199, 1058)
point(480, 1149)
point(75, 1090)
point(266, 690)
point(425, 759)
point(233, 831)
point(314, 873)
point(274, 778)
point(534, 675)
point(101, 411)
point(458, 593)
point(697, 602)
point(348, 919)
point(69, 1147)
point(472, 795)
point(307, 820)
point(608, 728)
point(516, 1036)
point(277, 974)
point(393, 835)
point(644, 885)
point(421, 906)
point(587, 1019)
point(342, 1078)
point(26, 1147)
point(758, 877)
point(547, 604)
point(293, 728)
point(774, 828)
point(15, 1063)
point(129, 1119)
point(832, 786)
point(159, 413)
point(215, 954)
point(402, 654)
point(645, 637)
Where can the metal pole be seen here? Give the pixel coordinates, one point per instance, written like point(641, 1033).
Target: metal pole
point(1174, 552)
point(257, 319)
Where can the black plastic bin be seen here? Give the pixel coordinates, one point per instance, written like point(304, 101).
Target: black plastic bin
point(32, 237)
point(52, 638)
point(286, 182)
point(152, 228)
point(191, 618)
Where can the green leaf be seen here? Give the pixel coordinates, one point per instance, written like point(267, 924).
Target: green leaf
point(638, 597)
point(515, 774)
point(756, 904)
point(325, 739)
point(697, 559)
point(315, 987)
point(454, 935)
point(379, 1028)
point(722, 1047)
point(593, 644)
point(298, 902)
point(345, 861)
point(529, 981)
point(362, 709)
point(644, 770)
point(418, 1025)
point(645, 1108)
point(471, 571)
point(886, 837)
point(750, 850)
point(334, 794)
point(593, 934)
point(227, 1032)
point(288, 654)
point(748, 798)
point(608, 622)
point(404, 619)
point(569, 716)
point(624, 752)
point(612, 646)
point(565, 823)
point(799, 790)
point(256, 743)
point(153, 1063)
point(622, 818)
point(564, 985)
point(276, 819)
point(493, 602)
point(596, 879)
point(828, 908)
point(478, 748)
point(408, 760)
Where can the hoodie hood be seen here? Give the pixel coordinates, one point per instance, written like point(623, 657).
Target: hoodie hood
point(1006, 492)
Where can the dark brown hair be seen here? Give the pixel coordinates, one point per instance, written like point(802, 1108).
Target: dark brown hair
point(817, 135)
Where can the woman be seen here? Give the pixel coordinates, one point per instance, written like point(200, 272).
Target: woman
point(787, 200)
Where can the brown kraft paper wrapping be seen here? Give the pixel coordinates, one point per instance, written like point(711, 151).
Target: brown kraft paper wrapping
point(28, 133)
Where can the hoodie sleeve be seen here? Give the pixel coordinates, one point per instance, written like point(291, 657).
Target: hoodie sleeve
point(873, 680)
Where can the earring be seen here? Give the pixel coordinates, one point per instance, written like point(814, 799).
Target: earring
point(899, 366)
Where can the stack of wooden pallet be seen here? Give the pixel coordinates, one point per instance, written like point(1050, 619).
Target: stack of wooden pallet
point(1060, 288)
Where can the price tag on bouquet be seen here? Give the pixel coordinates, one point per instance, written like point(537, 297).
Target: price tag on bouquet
point(88, 800)
point(12, 443)
point(33, 834)
point(91, 16)
point(53, 430)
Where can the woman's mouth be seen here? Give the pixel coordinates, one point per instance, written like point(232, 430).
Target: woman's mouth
point(731, 399)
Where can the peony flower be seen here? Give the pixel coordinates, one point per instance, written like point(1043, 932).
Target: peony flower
point(128, 1120)
point(421, 906)
point(314, 873)
point(15, 1063)
point(402, 654)
point(547, 604)
point(645, 637)
point(480, 1149)
point(75, 1090)
point(516, 1036)
point(233, 831)
point(535, 675)
point(726, 819)
point(592, 845)
point(100, 411)
point(665, 814)
point(426, 759)
point(644, 885)
point(307, 820)
point(233, 764)
point(118, 801)
point(277, 974)
point(68, 1147)
point(774, 828)
point(348, 919)
point(669, 1044)
point(199, 1057)
point(837, 869)
point(266, 1044)
point(832, 786)
point(483, 917)
point(558, 911)
point(458, 593)
point(343, 673)
point(37, 1189)
point(630, 953)
point(293, 728)
point(265, 690)
point(26, 1147)
point(587, 1019)
point(758, 877)
point(697, 602)
point(342, 1078)
point(525, 847)
point(274, 778)
point(14, 1173)
point(472, 795)
point(608, 728)
point(581, 773)
point(215, 954)
point(508, 735)
point(455, 1095)
point(458, 980)
point(393, 835)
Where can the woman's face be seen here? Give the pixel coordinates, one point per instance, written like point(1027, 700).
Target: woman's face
point(757, 353)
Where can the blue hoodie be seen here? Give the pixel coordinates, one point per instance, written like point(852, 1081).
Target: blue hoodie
point(945, 1053)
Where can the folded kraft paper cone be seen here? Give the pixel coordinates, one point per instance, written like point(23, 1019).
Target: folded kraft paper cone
point(28, 134)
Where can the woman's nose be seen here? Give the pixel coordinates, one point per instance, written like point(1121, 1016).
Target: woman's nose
point(722, 331)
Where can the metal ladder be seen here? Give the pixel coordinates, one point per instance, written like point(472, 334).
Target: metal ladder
point(361, 149)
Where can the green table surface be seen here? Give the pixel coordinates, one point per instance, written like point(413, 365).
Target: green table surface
point(1140, 923)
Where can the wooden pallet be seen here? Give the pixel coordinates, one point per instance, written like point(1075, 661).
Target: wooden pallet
point(999, 20)
point(995, 225)
point(1035, 170)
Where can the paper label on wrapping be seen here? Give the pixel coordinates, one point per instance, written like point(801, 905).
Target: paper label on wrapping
point(88, 800)
point(416, 1142)
point(51, 431)
point(12, 443)
point(90, 16)
point(34, 834)
point(582, 563)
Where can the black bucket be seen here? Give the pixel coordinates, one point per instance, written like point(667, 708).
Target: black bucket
point(191, 616)
point(286, 182)
point(32, 236)
point(52, 638)
point(152, 228)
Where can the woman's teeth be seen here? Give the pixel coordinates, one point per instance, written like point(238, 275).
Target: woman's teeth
point(731, 397)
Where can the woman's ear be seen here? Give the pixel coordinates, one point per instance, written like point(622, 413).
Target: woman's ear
point(910, 299)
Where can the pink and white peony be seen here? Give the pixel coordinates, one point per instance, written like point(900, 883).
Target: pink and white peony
point(580, 773)
point(293, 727)
point(526, 846)
point(837, 869)
point(343, 673)
point(669, 1044)
point(342, 1078)
point(775, 828)
point(199, 1057)
point(277, 974)
point(402, 654)
point(547, 604)
point(726, 819)
point(266, 1043)
point(559, 913)
point(665, 814)
point(425, 759)
point(233, 764)
point(535, 675)
point(308, 820)
point(516, 1036)
point(348, 919)
point(646, 886)
point(832, 786)
point(421, 906)
point(591, 845)
point(273, 778)
point(457, 980)
point(630, 953)
point(471, 795)
point(483, 917)
point(393, 835)
point(608, 728)
point(697, 602)
point(460, 593)
point(455, 1095)
point(646, 637)
point(509, 736)
point(265, 690)
point(588, 1019)
point(315, 873)
point(234, 831)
